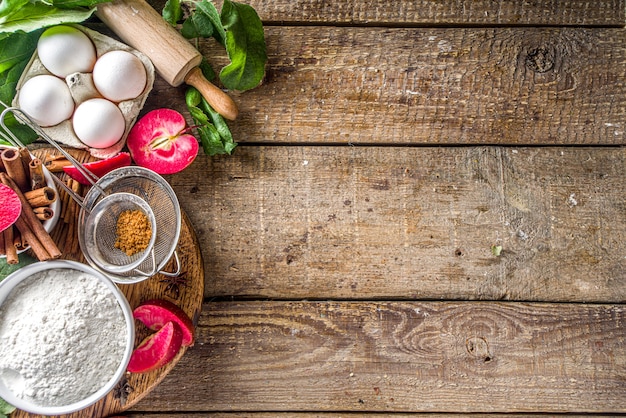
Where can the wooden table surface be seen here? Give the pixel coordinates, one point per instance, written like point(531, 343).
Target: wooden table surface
point(347, 242)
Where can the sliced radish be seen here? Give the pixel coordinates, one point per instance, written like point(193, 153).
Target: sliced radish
point(156, 313)
point(99, 168)
point(156, 350)
point(161, 141)
point(11, 207)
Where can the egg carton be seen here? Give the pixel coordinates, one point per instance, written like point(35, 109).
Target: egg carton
point(82, 88)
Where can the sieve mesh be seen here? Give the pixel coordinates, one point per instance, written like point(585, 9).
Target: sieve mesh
point(101, 232)
point(161, 200)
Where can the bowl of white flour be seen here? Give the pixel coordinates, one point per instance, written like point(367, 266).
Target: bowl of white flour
point(67, 334)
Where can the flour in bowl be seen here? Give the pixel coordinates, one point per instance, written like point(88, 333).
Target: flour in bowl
point(62, 334)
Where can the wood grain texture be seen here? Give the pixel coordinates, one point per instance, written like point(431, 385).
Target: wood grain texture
point(399, 357)
point(438, 12)
point(346, 85)
point(411, 223)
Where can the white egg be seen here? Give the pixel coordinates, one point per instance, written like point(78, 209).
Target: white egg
point(98, 123)
point(119, 75)
point(46, 99)
point(64, 50)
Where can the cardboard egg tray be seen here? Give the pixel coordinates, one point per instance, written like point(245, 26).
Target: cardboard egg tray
point(82, 88)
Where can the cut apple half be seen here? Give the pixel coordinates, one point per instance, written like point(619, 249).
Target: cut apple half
point(156, 350)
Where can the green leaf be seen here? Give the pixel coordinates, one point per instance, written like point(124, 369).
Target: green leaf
point(192, 97)
point(5, 408)
point(210, 140)
point(17, 15)
point(75, 4)
point(208, 10)
point(7, 269)
point(245, 45)
point(172, 12)
point(197, 25)
point(218, 122)
point(215, 136)
point(207, 70)
point(17, 48)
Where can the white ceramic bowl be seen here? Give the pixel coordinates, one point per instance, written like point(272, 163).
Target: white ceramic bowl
point(8, 284)
point(55, 206)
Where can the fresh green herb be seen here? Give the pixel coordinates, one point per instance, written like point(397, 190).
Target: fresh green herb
point(17, 49)
point(5, 408)
point(214, 133)
point(29, 15)
point(239, 30)
point(245, 44)
point(6, 269)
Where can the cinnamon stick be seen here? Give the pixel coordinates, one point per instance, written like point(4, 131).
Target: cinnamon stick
point(25, 157)
point(14, 168)
point(44, 196)
point(43, 213)
point(29, 218)
point(18, 240)
point(35, 169)
point(56, 164)
point(35, 244)
point(9, 248)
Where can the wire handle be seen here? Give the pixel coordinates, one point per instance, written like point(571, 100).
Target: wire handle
point(22, 117)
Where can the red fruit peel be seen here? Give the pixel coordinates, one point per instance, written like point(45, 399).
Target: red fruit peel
point(159, 141)
point(156, 350)
point(99, 168)
point(155, 313)
point(11, 207)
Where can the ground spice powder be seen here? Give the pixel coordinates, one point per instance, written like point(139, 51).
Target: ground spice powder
point(133, 232)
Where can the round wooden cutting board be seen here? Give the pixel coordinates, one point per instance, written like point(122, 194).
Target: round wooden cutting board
point(186, 291)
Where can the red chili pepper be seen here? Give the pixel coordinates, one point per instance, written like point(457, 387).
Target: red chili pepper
point(99, 168)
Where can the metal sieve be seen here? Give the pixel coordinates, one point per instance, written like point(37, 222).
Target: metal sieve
point(100, 233)
point(160, 199)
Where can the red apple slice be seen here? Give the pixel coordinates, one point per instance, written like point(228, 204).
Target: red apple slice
point(157, 349)
point(159, 141)
point(11, 207)
point(99, 168)
point(156, 313)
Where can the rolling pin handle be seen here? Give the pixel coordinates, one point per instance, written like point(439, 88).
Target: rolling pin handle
point(220, 101)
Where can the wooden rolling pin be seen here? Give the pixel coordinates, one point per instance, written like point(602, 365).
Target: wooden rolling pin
point(174, 58)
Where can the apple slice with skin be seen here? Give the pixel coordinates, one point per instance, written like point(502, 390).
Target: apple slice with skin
point(160, 142)
point(155, 313)
point(156, 350)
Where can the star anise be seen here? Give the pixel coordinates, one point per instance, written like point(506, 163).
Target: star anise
point(174, 283)
point(122, 390)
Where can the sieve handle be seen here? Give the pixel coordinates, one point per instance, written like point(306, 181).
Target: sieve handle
point(25, 119)
point(154, 267)
point(77, 198)
point(178, 268)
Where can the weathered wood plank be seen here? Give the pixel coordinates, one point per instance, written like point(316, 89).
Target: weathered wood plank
point(435, 86)
point(331, 415)
point(438, 12)
point(387, 357)
point(414, 223)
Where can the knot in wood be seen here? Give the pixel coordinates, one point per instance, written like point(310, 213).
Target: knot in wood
point(540, 60)
point(478, 347)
